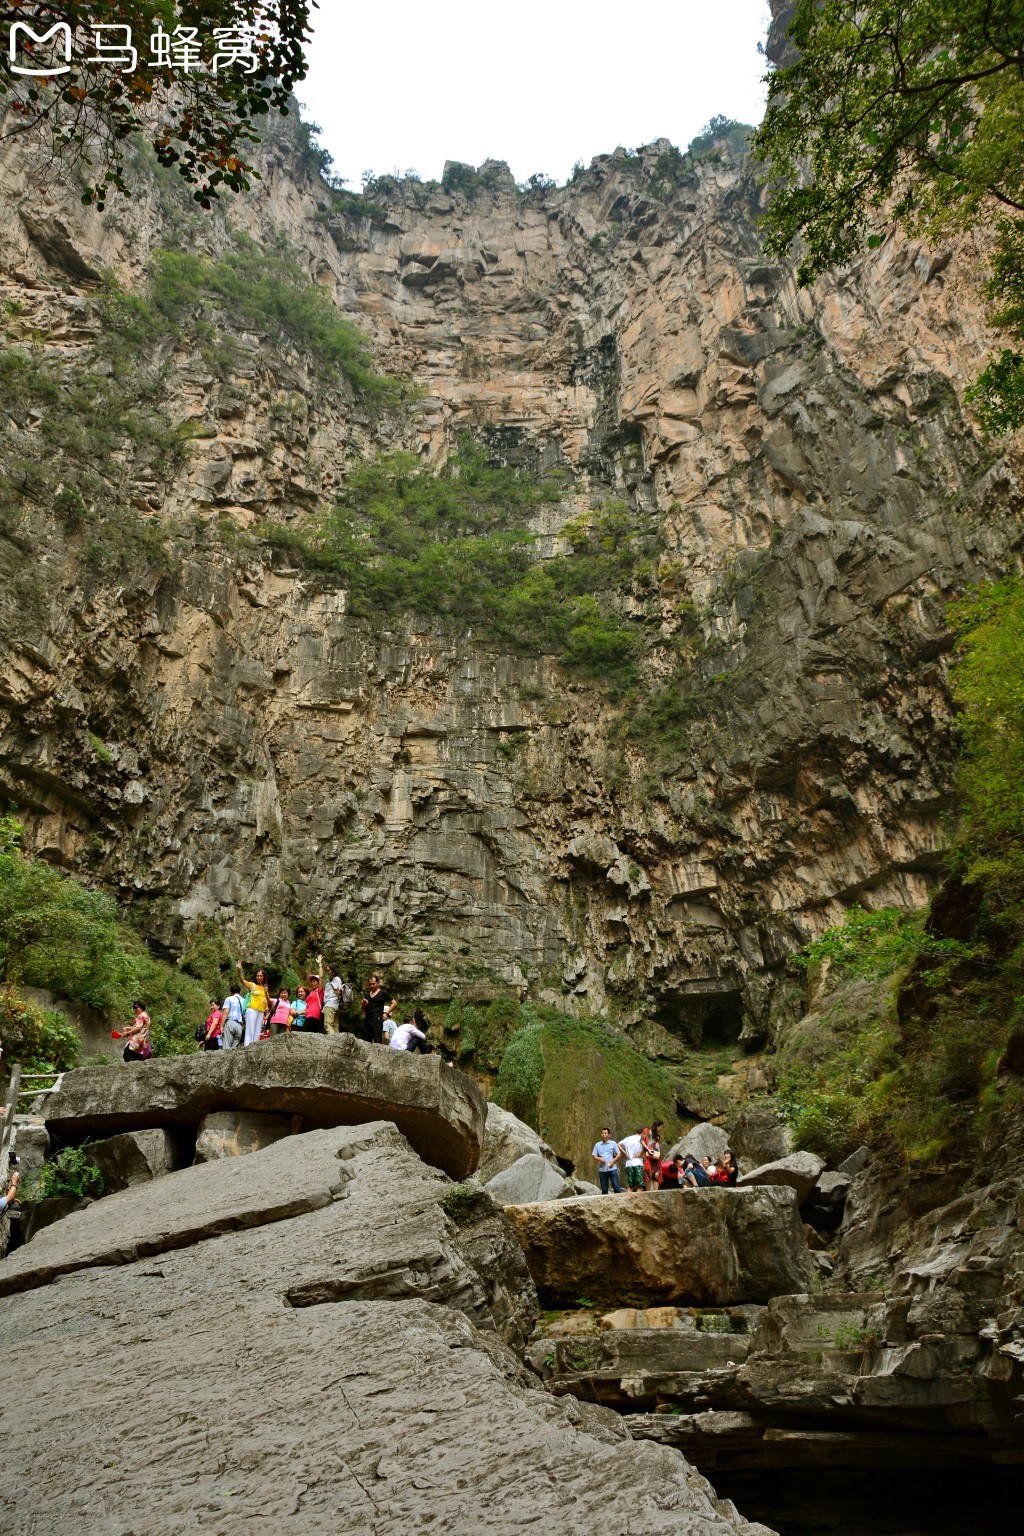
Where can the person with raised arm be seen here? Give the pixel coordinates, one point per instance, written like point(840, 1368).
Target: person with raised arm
point(256, 1004)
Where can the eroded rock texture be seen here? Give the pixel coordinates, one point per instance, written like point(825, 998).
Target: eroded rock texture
point(799, 459)
point(336, 1366)
point(319, 1080)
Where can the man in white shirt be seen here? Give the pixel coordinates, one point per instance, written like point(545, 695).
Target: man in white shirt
point(631, 1148)
point(232, 1029)
point(408, 1038)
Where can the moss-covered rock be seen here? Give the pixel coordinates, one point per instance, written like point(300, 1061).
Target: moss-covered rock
point(568, 1077)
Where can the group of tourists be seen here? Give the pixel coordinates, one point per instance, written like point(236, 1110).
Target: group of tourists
point(252, 1012)
point(640, 1155)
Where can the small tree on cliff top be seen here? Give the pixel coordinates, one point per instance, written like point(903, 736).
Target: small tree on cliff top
point(906, 112)
point(117, 68)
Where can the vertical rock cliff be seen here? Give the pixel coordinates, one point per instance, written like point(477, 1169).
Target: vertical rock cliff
point(195, 714)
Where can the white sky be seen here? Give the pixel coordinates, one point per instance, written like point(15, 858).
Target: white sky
point(406, 85)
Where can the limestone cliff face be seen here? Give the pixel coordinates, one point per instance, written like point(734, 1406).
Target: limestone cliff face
point(472, 819)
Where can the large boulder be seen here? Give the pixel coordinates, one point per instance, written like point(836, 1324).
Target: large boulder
point(134, 1157)
point(328, 1302)
point(704, 1140)
point(506, 1140)
point(530, 1178)
point(759, 1136)
point(343, 1177)
point(327, 1080)
point(799, 1171)
point(31, 1142)
point(235, 1132)
point(701, 1247)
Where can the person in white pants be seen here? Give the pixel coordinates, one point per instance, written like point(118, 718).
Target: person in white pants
point(259, 1004)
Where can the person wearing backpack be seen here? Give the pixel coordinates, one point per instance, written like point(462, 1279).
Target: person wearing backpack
point(233, 1027)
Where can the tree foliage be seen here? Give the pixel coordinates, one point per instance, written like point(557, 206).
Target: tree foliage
point(58, 935)
point(199, 121)
point(907, 112)
point(988, 685)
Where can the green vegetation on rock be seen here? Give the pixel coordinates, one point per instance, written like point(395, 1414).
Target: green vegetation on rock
point(457, 545)
point(904, 1052)
point(567, 1077)
point(263, 288)
point(58, 935)
point(906, 112)
point(67, 1176)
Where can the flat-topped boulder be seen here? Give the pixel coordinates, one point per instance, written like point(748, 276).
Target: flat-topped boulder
point(324, 1080)
point(700, 1247)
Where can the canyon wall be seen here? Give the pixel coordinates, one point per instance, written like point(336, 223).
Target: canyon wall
point(220, 738)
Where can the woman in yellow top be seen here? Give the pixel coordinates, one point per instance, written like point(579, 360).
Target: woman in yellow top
point(258, 1004)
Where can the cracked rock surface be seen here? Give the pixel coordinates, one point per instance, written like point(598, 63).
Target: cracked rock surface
point(338, 1366)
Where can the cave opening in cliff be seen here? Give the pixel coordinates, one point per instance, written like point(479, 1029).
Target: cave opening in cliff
point(714, 1019)
point(723, 1021)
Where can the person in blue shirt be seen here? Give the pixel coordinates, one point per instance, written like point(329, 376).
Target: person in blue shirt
point(606, 1154)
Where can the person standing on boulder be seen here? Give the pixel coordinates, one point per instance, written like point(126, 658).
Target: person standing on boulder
point(375, 1000)
point(136, 1035)
point(632, 1148)
point(257, 1004)
point(332, 997)
point(233, 1031)
point(314, 1023)
point(606, 1154)
point(652, 1153)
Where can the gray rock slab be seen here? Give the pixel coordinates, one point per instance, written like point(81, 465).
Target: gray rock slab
point(322, 1374)
point(799, 1171)
point(316, 1217)
point(31, 1143)
point(704, 1140)
point(134, 1157)
point(506, 1140)
point(392, 1421)
point(235, 1132)
point(700, 1247)
point(328, 1080)
point(831, 1190)
point(759, 1136)
point(855, 1162)
point(530, 1178)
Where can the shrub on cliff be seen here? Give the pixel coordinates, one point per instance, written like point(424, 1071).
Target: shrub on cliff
point(58, 935)
point(40, 1040)
point(922, 1076)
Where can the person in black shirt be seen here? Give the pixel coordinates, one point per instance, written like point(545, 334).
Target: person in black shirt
point(375, 1000)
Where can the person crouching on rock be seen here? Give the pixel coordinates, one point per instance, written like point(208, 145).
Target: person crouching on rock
point(136, 1035)
point(728, 1173)
point(256, 1004)
point(632, 1148)
point(606, 1154)
point(695, 1174)
point(408, 1038)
